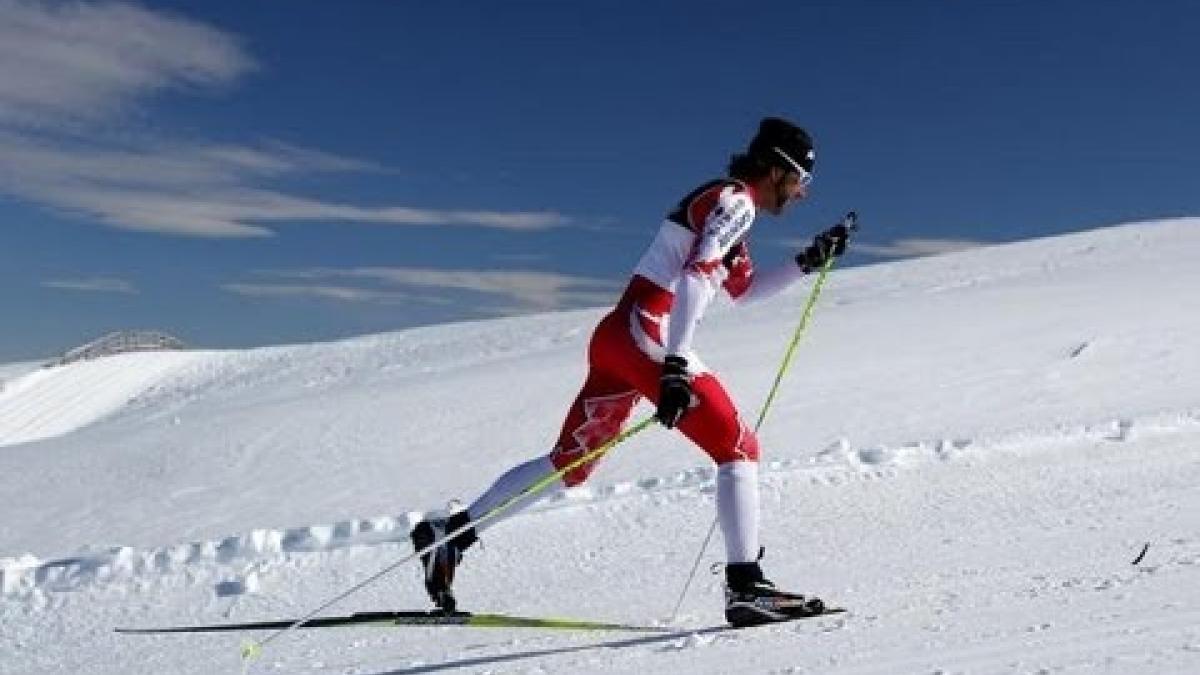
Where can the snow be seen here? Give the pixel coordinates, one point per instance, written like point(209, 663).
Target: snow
point(969, 452)
point(54, 401)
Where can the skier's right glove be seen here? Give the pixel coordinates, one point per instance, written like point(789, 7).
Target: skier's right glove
point(829, 244)
point(674, 391)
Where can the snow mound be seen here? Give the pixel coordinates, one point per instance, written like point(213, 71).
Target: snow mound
point(55, 401)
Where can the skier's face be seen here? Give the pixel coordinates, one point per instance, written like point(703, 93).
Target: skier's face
point(787, 187)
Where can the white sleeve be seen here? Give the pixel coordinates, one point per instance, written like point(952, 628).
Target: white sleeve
point(692, 296)
point(726, 224)
point(766, 284)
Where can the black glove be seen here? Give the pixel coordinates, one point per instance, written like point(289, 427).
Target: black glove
point(829, 244)
point(675, 391)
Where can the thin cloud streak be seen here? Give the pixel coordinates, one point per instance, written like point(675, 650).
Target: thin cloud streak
point(69, 70)
point(910, 248)
point(328, 292)
point(97, 285)
point(523, 290)
point(340, 293)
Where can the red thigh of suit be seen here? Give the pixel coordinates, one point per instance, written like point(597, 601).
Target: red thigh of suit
point(619, 375)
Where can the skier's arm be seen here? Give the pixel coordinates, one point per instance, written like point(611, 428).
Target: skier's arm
point(726, 224)
point(746, 284)
point(693, 294)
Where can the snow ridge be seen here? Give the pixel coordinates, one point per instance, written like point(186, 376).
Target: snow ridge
point(25, 577)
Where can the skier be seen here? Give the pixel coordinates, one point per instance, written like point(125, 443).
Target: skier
point(642, 348)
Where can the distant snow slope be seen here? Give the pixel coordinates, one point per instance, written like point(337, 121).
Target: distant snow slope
point(968, 453)
point(9, 371)
point(50, 402)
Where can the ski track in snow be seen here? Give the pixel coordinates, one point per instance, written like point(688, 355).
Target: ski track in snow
point(26, 578)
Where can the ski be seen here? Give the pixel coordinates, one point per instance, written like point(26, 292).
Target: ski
point(386, 619)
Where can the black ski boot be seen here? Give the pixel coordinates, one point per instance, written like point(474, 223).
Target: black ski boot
point(751, 600)
point(440, 563)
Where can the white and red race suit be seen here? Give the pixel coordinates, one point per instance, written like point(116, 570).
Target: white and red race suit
point(699, 249)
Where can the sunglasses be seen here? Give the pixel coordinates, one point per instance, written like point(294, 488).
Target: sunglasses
point(803, 174)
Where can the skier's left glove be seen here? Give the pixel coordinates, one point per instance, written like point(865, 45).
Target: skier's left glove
point(674, 391)
point(829, 244)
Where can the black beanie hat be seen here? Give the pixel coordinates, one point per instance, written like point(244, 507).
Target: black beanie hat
point(783, 144)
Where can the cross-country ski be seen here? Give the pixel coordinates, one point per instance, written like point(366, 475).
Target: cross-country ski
point(411, 618)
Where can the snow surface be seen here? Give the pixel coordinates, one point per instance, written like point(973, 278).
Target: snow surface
point(968, 454)
point(53, 401)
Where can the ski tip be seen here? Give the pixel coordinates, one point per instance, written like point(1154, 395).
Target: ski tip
point(251, 650)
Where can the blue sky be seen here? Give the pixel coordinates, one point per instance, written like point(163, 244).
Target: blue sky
point(255, 173)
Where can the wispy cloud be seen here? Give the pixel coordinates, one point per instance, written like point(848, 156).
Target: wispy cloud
point(76, 60)
point(310, 291)
point(71, 74)
point(909, 248)
point(95, 285)
point(521, 258)
point(520, 290)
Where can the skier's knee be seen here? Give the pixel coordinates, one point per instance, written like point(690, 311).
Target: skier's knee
point(748, 447)
point(745, 449)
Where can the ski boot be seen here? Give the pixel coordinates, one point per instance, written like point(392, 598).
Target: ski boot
point(751, 600)
point(440, 563)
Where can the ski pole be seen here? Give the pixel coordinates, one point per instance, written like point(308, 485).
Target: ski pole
point(851, 222)
point(251, 649)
